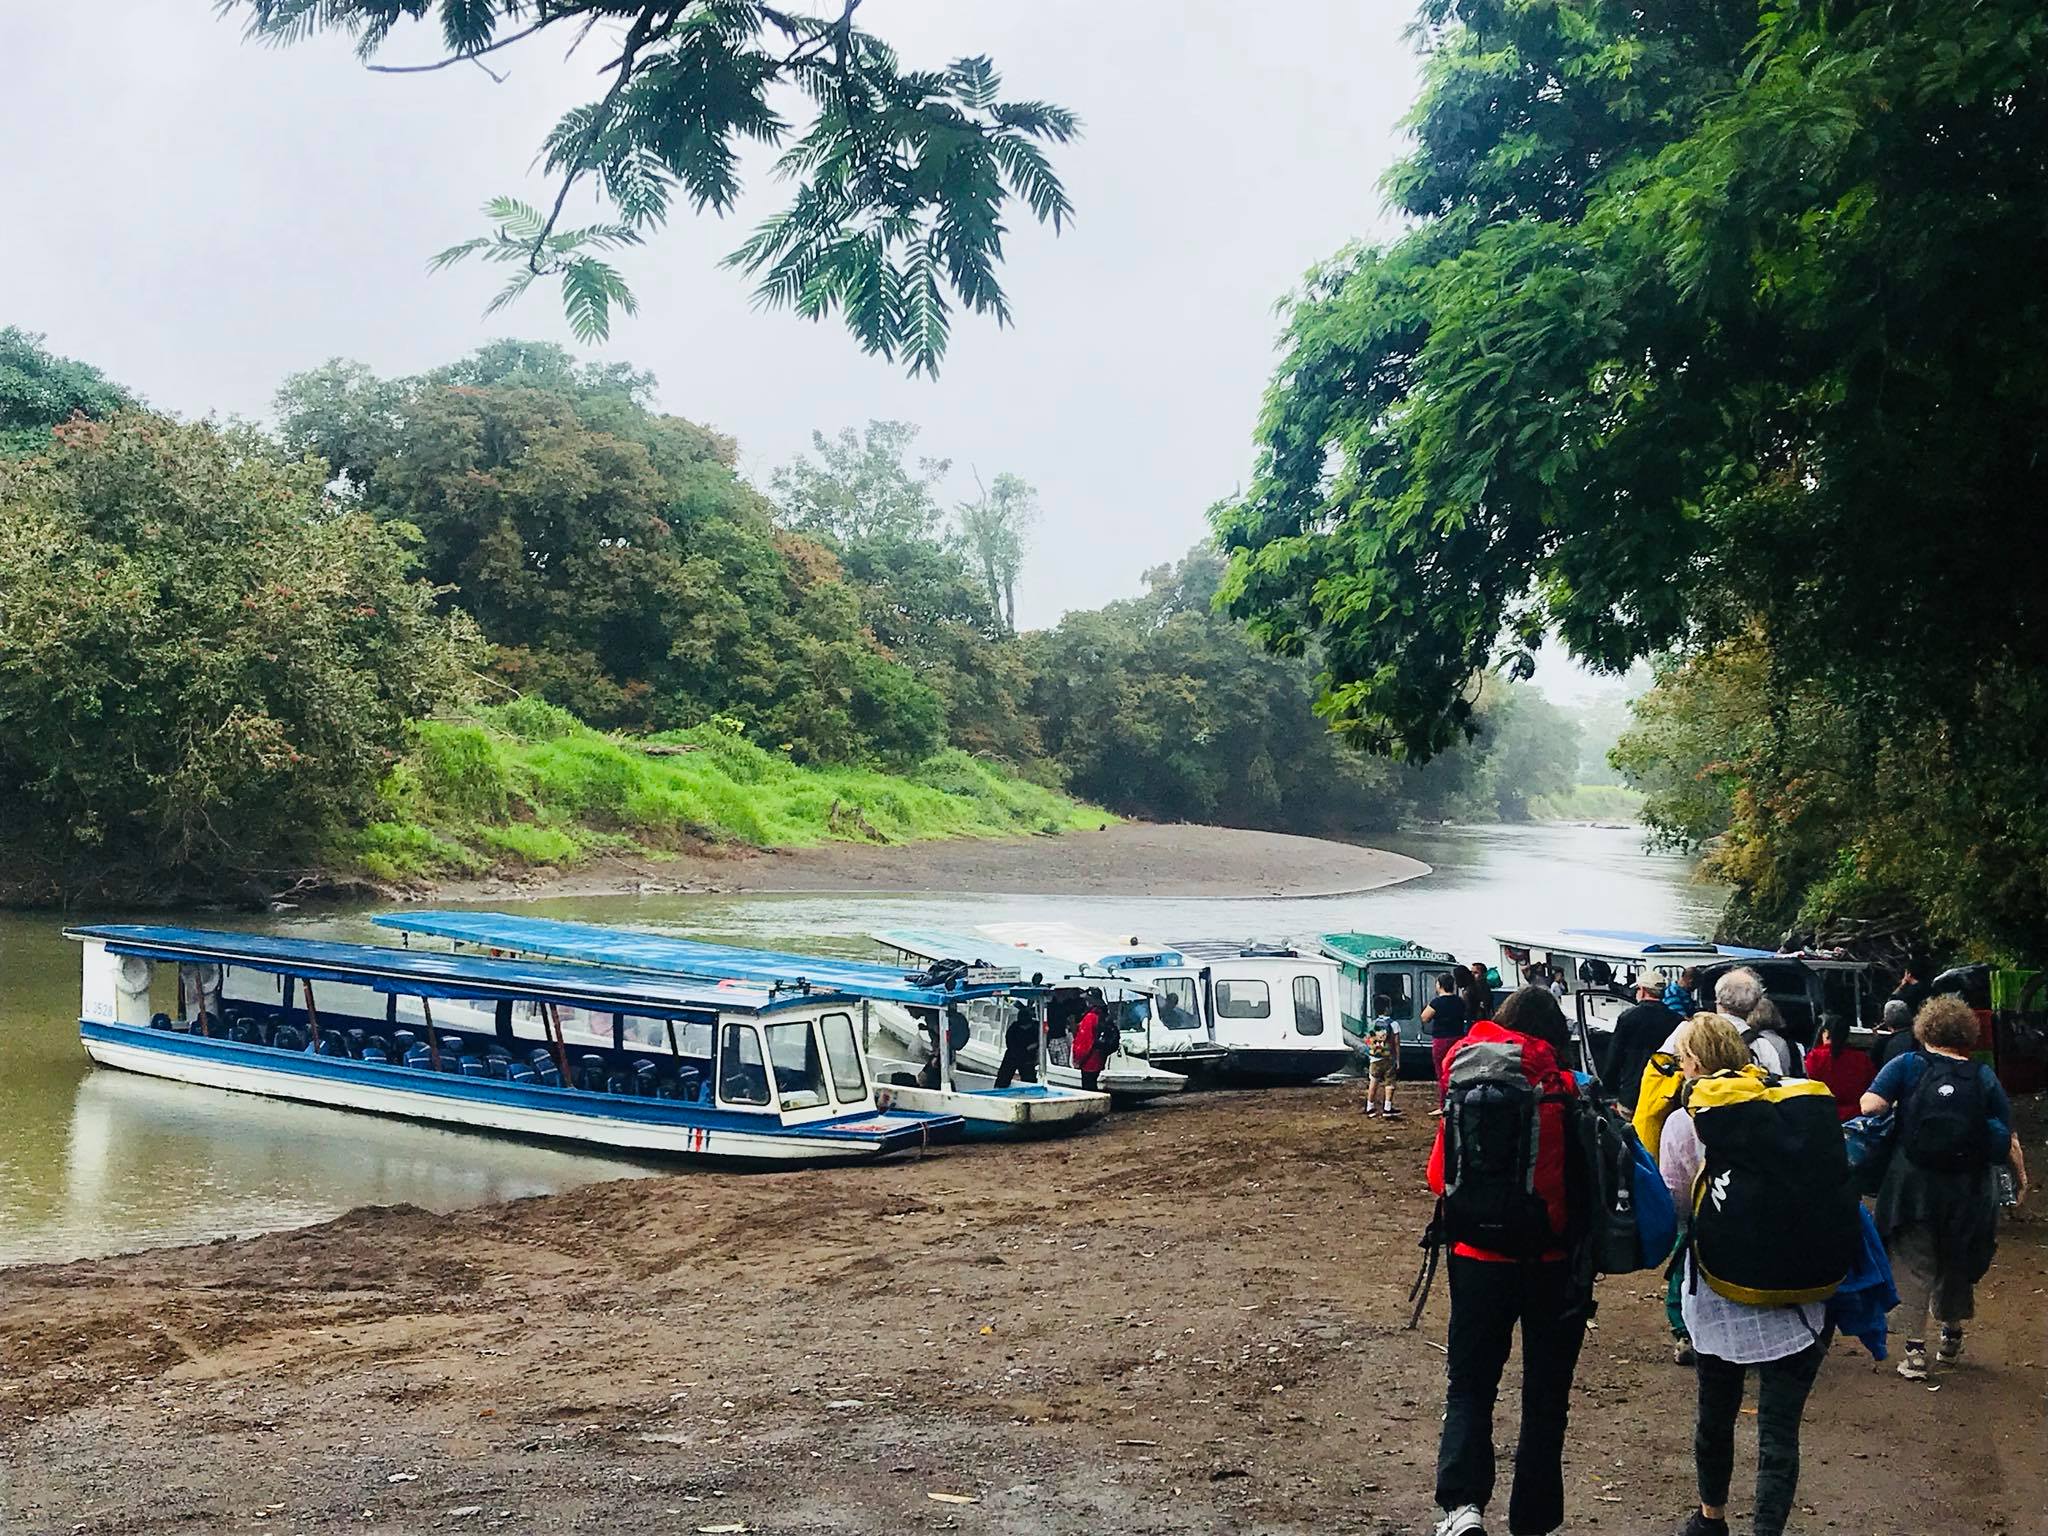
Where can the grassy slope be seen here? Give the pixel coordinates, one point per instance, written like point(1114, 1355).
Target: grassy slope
point(526, 784)
point(1589, 802)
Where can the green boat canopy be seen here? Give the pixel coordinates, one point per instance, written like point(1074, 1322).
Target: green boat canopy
point(1364, 948)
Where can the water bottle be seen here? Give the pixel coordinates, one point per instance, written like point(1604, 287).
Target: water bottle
point(2008, 1186)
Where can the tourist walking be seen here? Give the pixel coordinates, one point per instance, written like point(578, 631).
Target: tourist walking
point(1845, 1069)
point(1641, 1029)
point(1895, 1035)
point(1507, 1263)
point(1737, 998)
point(1937, 1209)
point(1448, 1019)
point(1784, 1344)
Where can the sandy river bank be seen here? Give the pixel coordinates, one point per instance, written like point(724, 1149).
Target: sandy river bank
point(1127, 859)
point(1188, 1321)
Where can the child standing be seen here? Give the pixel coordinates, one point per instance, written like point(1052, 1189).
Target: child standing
point(1382, 1059)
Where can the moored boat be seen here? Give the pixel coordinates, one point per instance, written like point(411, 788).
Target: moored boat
point(624, 1062)
point(1016, 1111)
point(1384, 975)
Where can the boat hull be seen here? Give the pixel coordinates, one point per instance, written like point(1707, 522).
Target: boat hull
point(1256, 1066)
point(635, 1126)
point(1021, 1112)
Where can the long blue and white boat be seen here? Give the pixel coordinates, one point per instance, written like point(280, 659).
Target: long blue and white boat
point(627, 1062)
point(918, 1012)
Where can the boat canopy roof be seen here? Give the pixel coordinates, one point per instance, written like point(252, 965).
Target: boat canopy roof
point(660, 954)
point(1037, 967)
point(1084, 946)
point(1362, 948)
point(1627, 944)
point(437, 973)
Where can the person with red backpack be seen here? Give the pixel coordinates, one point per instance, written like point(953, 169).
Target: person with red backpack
point(1095, 1037)
point(1507, 1208)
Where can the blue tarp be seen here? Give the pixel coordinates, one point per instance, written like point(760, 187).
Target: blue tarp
point(425, 973)
point(630, 949)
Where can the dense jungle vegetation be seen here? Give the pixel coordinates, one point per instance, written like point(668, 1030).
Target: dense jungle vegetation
point(508, 613)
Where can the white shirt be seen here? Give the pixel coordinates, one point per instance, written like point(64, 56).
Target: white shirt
point(1727, 1330)
point(1769, 1050)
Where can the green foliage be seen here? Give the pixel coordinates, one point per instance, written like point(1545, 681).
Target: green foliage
point(1589, 802)
point(514, 787)
point(901, 177)
point(39, 390)
point(205, 665)
point(996, 527)
point(620, 567)
point(1708, 312)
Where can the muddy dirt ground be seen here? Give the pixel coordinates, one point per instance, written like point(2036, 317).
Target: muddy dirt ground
point(1189, 1320)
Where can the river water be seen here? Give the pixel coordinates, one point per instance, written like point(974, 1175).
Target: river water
point(95, 1162)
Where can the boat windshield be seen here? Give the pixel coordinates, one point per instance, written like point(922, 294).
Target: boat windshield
point(842, 1052)
point(1176, 999)
point(799, 1068)
point(742, 1078)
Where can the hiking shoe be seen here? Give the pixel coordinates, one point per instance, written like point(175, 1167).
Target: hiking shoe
point(1371, 1110)
point(1391, 1113)
point(1681, 1350)
point(1951, 1347)
point(1700, 1525)
point(1913, 1364)
point(1465, 1520)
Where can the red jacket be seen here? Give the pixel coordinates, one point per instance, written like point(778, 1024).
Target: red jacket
point(1848, 1074)
point(1539, 1065)
point(1088, 1055)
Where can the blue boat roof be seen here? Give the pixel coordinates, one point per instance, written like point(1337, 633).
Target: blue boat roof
point(438, 973)
point(1671, 941)
point(660, 954)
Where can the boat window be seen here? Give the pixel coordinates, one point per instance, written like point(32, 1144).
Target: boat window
point(692, 1036)
point(1177, 1003)
point(1308, 1006)
point(799, 1073)
point(1393, 995)
point(842, 1050)
point(1243, 1000)
point(1132, 1013)
point(742, 1075)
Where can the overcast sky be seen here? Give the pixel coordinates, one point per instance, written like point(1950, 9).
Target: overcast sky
point(200, 216)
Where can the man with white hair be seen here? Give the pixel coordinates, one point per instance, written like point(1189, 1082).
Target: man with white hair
point(1737, 995)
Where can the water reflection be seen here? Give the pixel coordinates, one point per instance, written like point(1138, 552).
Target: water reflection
point(97, 1162)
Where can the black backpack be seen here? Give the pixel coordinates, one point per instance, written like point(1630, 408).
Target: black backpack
point(1492, 1124)
point(1943, 1119)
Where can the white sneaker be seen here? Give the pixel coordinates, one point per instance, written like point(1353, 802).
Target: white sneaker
point(1465, 1520)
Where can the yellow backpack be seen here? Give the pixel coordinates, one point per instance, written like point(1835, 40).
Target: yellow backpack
point(1663, 1084)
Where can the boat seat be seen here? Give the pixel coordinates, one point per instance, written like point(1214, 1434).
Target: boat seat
point(644, 1074)
point(590, 1073)
point(356, 1038)
point(288, 1037)
point(243, 1031)
point(452, 1056)
point(331, 1044)
point(159, 1021)
point(402, 1040)
point(543, 1063)
point(417, 1055)
point(498, 1067)
point(373, 1050)
point(520, 1072)
point(470, 1066)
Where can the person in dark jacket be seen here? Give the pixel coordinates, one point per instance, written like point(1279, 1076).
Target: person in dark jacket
point(1637, 1034)
point(1020, 1047)
point(1448, 1019)
point(1492, 1293)
point(1894, 1034)
point(1940, 1221)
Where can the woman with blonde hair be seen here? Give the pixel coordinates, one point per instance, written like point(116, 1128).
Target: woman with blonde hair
point(1938, 1208)
point(1785, 1344)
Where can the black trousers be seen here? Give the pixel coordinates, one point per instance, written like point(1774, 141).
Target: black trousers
point(1781, 1389)
point(1018, 1061)
point(1487, 1301)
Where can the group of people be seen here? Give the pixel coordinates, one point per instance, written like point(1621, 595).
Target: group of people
point(1464, 994)
point(1935, 1211)
point(1090, 1018)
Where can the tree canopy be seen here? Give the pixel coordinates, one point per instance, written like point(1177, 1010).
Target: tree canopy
point(39, 391)
point(203, 659)
point(901, 177)
point(1710, 316)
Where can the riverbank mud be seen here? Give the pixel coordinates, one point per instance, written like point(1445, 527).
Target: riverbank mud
point(1125, 859)
point(1188, 1321)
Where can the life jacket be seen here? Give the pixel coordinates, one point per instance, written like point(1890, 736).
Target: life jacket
point(1773, 1210)
point(1503, 1143)
point(1942, 1124)
point(1662, 1085)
